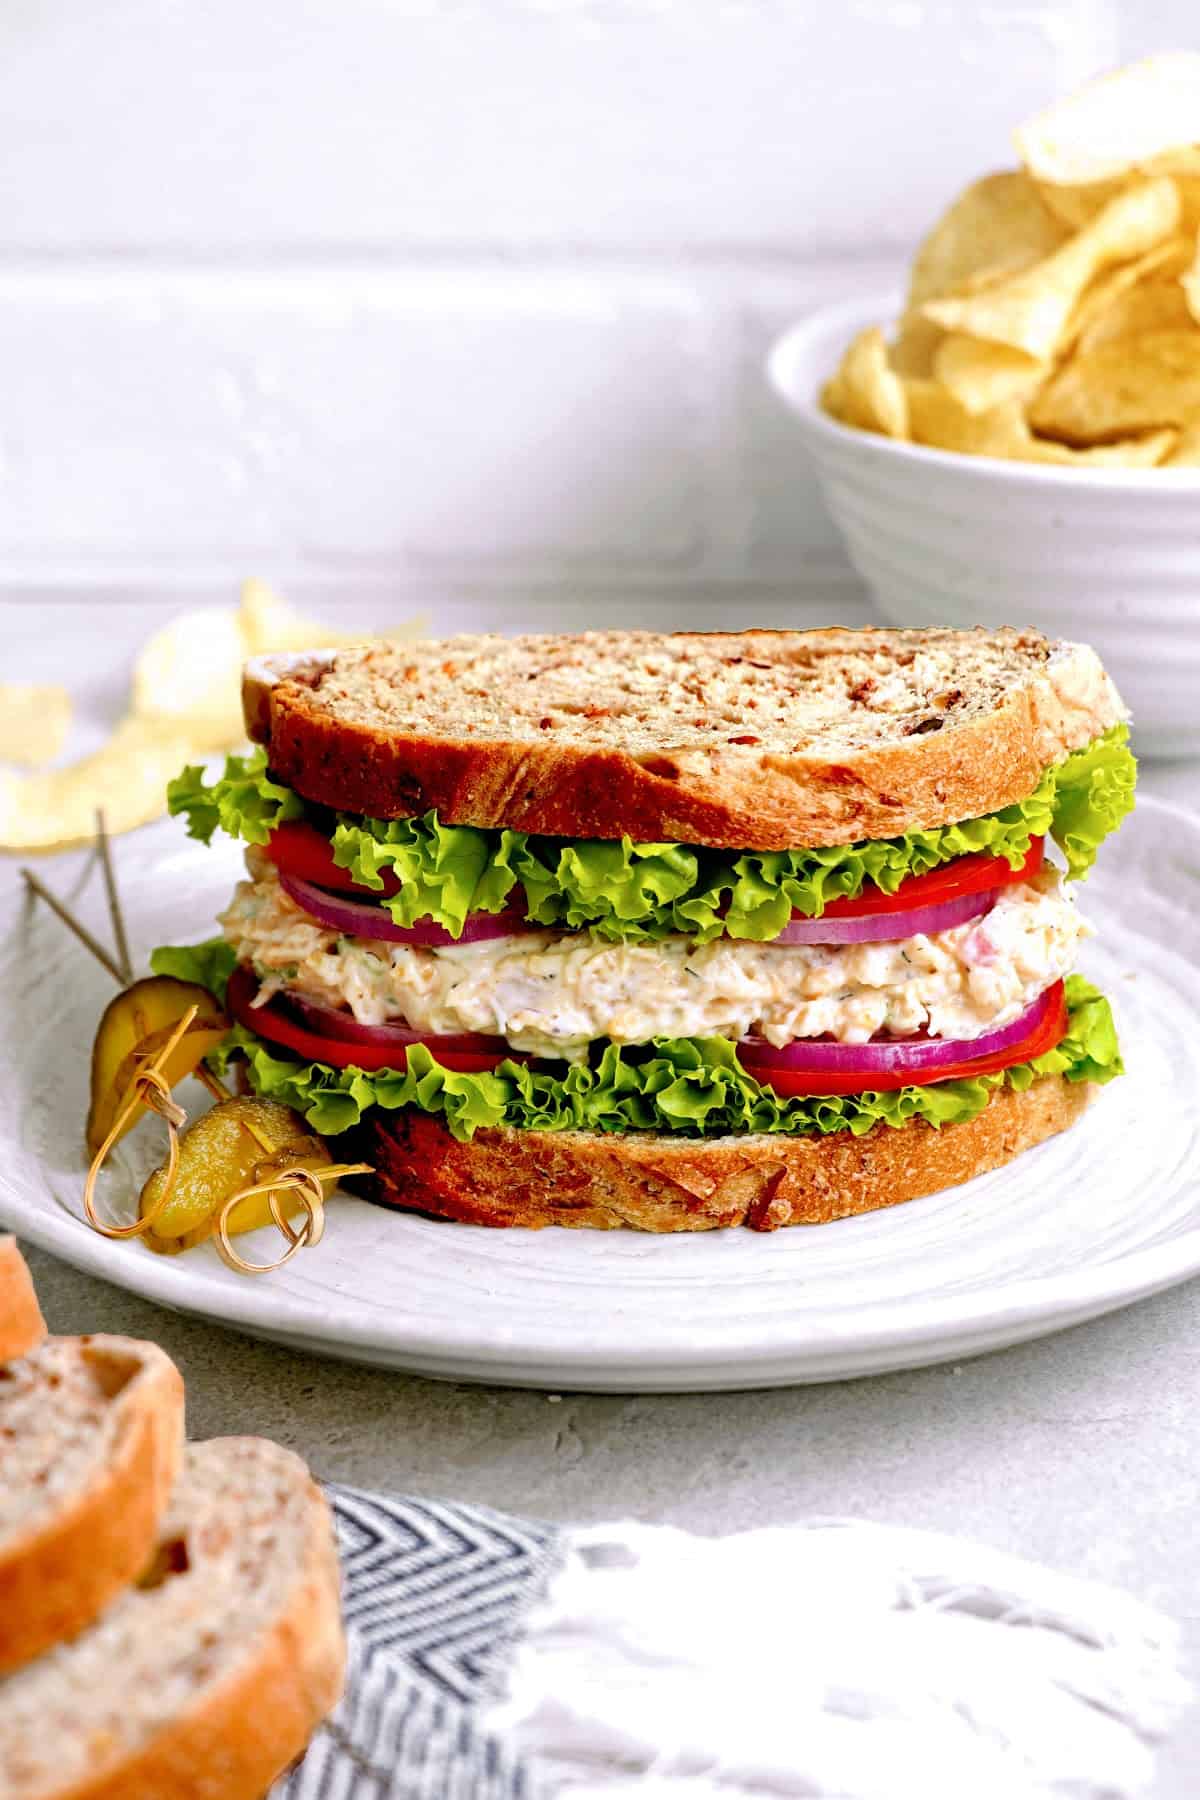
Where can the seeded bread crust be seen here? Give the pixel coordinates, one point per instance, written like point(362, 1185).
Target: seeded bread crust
point(760, 739)
point(654, 1183)
point(207, 1680)
point(22, 1326)
point(94, 1427)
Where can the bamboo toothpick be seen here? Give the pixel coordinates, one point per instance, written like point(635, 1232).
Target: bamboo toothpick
point(37, 886)
point(116, 917)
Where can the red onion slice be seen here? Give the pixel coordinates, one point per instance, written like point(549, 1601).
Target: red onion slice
point(882, 928)
point(887, 1054)
point(366, 919)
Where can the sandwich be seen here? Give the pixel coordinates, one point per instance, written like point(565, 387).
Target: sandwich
point(668, 931)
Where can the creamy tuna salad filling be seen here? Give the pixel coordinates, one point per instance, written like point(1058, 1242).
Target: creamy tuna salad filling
point(550, 993)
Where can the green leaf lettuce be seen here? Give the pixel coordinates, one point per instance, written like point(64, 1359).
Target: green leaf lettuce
point(644, 891)
point(692, 1086)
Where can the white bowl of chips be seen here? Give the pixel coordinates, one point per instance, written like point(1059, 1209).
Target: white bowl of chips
point(1017, 439)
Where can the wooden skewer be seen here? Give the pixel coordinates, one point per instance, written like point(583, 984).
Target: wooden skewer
point(37, 886)
point(115, 914)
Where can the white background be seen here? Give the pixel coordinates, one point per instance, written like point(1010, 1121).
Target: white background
point(465, 301)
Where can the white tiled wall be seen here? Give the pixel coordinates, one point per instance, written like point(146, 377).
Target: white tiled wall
point(464, 297)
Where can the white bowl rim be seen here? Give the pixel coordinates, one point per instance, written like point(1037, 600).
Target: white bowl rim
point(884, 308)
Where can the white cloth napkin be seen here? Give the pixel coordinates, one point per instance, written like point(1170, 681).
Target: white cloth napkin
point(496, 1659)
point(853, 1661)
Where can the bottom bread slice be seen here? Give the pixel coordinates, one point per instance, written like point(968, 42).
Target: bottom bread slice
point(207, 1679)
point(658, 1183)
point(21, 1322)
point(91, 1434)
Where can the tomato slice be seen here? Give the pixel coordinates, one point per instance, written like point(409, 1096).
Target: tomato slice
point(274, 1024)
point(796, 1082)
point(965, 875)
point(300, 849)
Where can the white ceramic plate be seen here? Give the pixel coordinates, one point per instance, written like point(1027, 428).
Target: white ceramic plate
point(1103, 1215)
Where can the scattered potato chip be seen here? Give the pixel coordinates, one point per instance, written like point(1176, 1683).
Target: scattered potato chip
point(128, 777)
point(185, 704)
point(1031, 310)
point(999, 226)
point(1131, 384)
point(866, 391)
point(1116, 124)
point(34, 722)
point(941, 422)
point(190, 673)
point(981, 374)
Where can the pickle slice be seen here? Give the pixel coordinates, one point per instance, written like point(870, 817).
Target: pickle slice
point(237, 1144)
point(135, 1026)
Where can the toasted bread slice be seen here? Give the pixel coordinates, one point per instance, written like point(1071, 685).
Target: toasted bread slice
point(207, 1679)
point(758, 739)
point(658, 1183)
point(21, 1323)
point(91, 1433)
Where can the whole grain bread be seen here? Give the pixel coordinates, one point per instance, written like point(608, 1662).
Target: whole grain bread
point(91, 1434)
point(756, 739)
point(659, 1183)
point(21, 1323)
point(207, 1679)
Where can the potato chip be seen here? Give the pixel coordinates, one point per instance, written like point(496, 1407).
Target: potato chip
point(1189, 283)
point(128, 778)
point(34, 722)
point(941, 422)
point(1156, 305)
point(1131, 384)
point(1075, 207)
point(981, 374)
point(1186, 451)
point(1106, 305)
point(999, 225)
point(185, 704)
point(866, 391)
point(915, 345)
point(1030, 311)
point(1116, 124)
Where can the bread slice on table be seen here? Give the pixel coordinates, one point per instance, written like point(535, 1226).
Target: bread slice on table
point(748, 740)
point(206, 1680)
point(656, 1183)
point(91, 1434)
point(21, 1322)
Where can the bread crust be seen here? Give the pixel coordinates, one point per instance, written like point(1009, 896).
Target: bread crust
point(727, 794)
point(657, 1183)
point(22, 1326)
point(235, 1734)
point(57, 1576)
point(242, 1732)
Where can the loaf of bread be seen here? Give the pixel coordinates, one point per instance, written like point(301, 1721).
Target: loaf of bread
point(91, 1434)
point(206, 1679)
point(21, 1322)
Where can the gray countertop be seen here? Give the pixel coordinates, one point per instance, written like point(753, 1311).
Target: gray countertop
point(1082, 1450)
